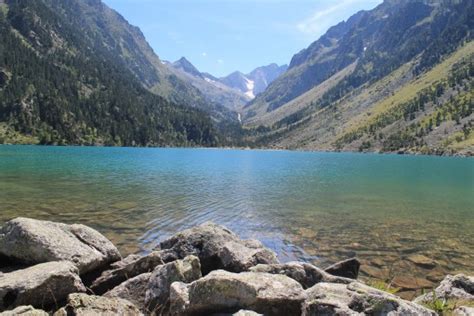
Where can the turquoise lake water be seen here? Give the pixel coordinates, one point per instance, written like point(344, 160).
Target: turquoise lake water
point(318, 207)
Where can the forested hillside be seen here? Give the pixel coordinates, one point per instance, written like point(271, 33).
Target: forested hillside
point(61, 83)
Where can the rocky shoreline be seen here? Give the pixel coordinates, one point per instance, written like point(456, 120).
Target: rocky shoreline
point(49, 268)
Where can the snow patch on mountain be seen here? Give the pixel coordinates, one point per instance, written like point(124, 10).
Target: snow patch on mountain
point(250, 88)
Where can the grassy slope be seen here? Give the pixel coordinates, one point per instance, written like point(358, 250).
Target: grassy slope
point(360, 108)
point(300, 103)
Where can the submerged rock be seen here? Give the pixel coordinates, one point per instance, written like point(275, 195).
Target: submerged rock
point(158, 292)
point(411, 283)
point(422, 261)
point(304, 273)
point(40, 285)
point(88, 305)
point(33, 241)
point(224, 292)
point(218, 248)
point(356, 299)
point(129, 267)
point(458, 287)
point(347, 268)
point(25, 311)
point(133, 290)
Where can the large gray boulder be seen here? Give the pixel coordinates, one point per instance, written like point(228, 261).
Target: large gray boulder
point(158, 292)
point(31, 241)
point(223, 292)
point(218, 248)
point(129, 267)
point(347, 268)
point(306, 274)
point(464, 311)
point(357, 299)
point(457, 287)
point(133, 290)
point(88, 305)
point(25, 311)
point(40, 285)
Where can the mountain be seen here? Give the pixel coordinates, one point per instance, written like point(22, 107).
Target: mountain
point(213, 91)
point(395, 78)
point(240, 82)
point(263, 76)
point(75, 72)
point(256, 81)
point(184, 65)
point(233, 91)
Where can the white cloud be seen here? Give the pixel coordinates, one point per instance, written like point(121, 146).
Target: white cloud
point(322, 19)
point(204, 54)
point(220, 61)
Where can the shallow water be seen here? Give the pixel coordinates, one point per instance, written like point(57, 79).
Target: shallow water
point(319, 207)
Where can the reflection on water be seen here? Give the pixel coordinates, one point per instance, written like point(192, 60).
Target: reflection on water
point(397, 214)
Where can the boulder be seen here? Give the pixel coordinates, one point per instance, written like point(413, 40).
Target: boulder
point(422, 261)
point(226, 292)
point(463, 311)
point(129, 267)
point(133, 290)
point(88, 305)
point(218, 248)
point(347, 268)
point(25, 311)
point(40, 285)
point(32, 241)
point(458, 287)
point(157, 295)
point(306, 274)
point(357, 299)
point(246, 313)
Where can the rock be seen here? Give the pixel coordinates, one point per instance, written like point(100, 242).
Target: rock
point(88, 305)
point(463, 311)
point(157, 295)
point(381, 274)
point(40, 285)
point(458, 287)
point(422, 261)
point(246, 313)
point(221, 291)
point(32, 241)
point(133, 290)
point(356, 299)
point(218, 248)
point(129, 267)
point(25, 311)
point(411, 283)
point(347, 268)
point(242, 312)
point(304, 273)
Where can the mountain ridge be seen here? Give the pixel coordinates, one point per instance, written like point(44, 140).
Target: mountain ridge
point(233, 91)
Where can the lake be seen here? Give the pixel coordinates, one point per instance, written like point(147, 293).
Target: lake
point(401, 215)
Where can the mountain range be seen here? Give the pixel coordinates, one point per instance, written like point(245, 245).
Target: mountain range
point(233, 91)
point(397, 78)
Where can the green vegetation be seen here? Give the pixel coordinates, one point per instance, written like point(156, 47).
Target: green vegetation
point(449, 99)
point(383, 286)
point(446, 307)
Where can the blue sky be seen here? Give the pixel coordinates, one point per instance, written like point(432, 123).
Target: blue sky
point(221, 36)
